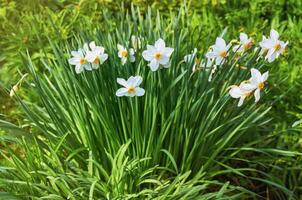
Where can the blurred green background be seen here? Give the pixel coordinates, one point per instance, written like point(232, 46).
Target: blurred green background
point(27, 25)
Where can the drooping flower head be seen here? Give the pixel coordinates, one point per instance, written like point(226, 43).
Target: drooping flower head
point(219, 51)
point(158, 54)
point(244, 44)
point(130, 87)
point(124, 54)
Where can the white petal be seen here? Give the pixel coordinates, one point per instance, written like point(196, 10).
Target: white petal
point(121, 92)
point(74, 60)
point(220, 43)
point(87, 67)
point(211, 54)
point(256, 75)
point(139, 91)
point(124, 60)
point(148, 55)
point(103, 58)
point(241, 100)
point(122, 82)
point(164, 60)
point(91, 56)
point(85, 48)
point(150, 47)
point(274, 34)
point(95, 66)
point(79, 68)
point(247, 87)
point(76, 53)
point(272, 57)
point(168, 51)
point(264, 76)
point(154, 64)
point(219, 60)
point(132, 58)
point(120, 47)
point(243, 37)
point(134, 81)
point(257, 95)
point(92, 45)
point(235, 92)
point(160, 44)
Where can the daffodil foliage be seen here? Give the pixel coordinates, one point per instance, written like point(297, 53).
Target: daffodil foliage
point(142, 110)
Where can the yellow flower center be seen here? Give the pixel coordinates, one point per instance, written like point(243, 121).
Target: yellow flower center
point(261, 85)
point(131, 90)
point(158, 56)
point(247, 94)
point(96, 61)
point(223, 54)
point(248, 45)
point(125, 53)
point(277, 47)
point(83, 61)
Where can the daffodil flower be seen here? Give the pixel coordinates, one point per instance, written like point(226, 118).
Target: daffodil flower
point(258, 81)
point(131, 87)
point(241, 92)
point(79, 59)
point(124, 54)
point(273, 46)
point(158, 55)
point(219, 51)
point(96, 56)
point(244, 44)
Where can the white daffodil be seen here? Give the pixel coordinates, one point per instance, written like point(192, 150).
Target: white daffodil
point(158, 54)
point(136, 42)
point(258, 81)
point(124, 54)
point(273, 46)
point(244, 44)
point(219, 51)
point(130, 88)
point(79, 59)
point(241, 92)
point(96, 56)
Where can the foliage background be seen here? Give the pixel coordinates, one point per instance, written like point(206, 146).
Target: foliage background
point(27, 25)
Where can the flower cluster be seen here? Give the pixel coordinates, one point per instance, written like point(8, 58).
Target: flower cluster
point(158, 55)
point(88, 58)
point(91, 57)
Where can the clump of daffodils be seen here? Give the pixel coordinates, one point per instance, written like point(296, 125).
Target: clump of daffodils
point(88, 58)
point(91, 56)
